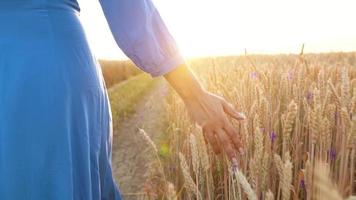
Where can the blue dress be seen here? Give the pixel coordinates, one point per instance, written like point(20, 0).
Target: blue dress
point(55, 118)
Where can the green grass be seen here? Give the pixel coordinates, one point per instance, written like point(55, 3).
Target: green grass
point(124, 96)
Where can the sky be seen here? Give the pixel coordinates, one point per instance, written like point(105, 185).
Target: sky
point(227, 27)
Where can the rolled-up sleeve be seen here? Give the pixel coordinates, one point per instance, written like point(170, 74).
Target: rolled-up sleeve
point(140, 32)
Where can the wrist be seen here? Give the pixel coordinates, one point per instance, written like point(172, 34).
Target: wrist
point(193, 93)
point(185, 83)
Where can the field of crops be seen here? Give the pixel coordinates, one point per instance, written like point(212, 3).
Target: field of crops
point(299, 136)
point(115, 71)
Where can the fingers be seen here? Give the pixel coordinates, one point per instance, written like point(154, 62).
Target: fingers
point(226, 144)
point(212, 141)
point(229, 109)
point(233, 136)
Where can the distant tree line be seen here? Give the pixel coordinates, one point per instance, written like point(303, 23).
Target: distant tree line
point(115, 71)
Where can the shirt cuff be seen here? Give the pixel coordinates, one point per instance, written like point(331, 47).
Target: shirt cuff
point(168, 65)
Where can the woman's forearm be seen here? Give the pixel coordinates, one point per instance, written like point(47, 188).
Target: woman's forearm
point(209, 111)
point(185, 83)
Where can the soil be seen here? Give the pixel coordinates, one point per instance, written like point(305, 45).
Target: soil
point(130, 156)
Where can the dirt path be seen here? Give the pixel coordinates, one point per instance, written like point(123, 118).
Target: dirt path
point(130, 155)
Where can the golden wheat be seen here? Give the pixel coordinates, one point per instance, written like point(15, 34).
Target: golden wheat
point(300, 110)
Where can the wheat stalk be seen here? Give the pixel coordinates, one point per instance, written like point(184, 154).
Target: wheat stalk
point(251, 195)
point(194, 153)
point(171, 191)
point(269, 195)
point(256, 161)
point(279, 165)
point(288, 124)
point(323, 187)
point(345, 87)
point(203, 152)
point(286, 180)
point(189, 183)
point(148, 139)
point(265, 170)
point(335, 96)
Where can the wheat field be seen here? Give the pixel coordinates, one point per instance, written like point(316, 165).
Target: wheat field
point(299, 136)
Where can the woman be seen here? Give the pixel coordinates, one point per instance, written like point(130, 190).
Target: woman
point(55, 119)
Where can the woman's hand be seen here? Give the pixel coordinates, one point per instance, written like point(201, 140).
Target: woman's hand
point(209, 111)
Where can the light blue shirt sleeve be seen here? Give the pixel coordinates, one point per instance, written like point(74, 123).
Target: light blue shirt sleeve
point(140, 32)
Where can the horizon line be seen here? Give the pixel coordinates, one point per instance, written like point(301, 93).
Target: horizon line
point(241, 54)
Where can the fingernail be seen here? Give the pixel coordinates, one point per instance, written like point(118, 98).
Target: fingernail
point(234, 163)
point(241, 115)
point(241, 151)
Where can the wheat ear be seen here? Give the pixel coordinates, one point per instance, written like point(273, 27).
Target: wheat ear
point(286, 180)
point(194, 152)
point(189, 183)
point(251, 195)
point(323, 187)
point(269, 195)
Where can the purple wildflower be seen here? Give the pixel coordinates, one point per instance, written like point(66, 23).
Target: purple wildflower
point(273, 136)
point(253, 75)
point(302, 184)
point(332, 154)
point(290, 75)
point(309, 96)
